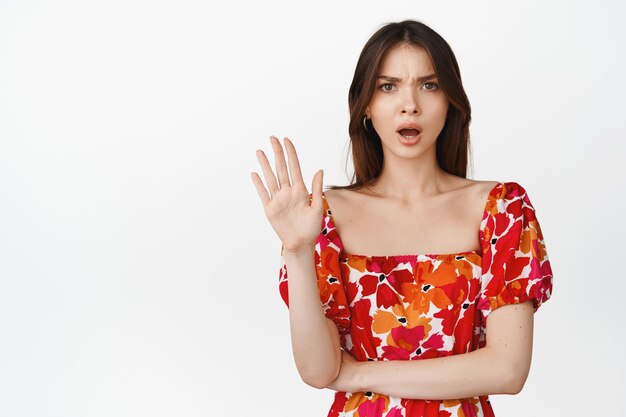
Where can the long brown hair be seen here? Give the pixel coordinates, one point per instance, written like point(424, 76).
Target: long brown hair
point(453, 141)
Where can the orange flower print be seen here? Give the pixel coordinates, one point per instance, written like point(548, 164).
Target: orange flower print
point(416, 307)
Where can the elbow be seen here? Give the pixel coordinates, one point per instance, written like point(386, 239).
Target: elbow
point(511, 373)
point(319, 384)
point(320, 377)
point(321, 372)
point(515, 381)
point(319, 381)
point(515, 386)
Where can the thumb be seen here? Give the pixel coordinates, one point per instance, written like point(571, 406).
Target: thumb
point(317, 189)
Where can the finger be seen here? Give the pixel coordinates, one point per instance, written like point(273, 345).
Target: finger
point(294, 164)
point(316, 189)
point(281, 165)
point(270, 179)
point(260, 188)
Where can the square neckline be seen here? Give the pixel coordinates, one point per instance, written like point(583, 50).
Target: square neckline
point(428, 255)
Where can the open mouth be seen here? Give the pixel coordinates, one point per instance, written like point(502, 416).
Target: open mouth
point(409, 133)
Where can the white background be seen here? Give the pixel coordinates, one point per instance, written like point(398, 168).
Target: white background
point(138, 273)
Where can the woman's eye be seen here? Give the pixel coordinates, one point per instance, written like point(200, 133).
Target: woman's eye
point(382, 87)
point(432, 86)
point(435, 86)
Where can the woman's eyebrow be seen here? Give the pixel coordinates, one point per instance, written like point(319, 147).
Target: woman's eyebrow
point(397, 80)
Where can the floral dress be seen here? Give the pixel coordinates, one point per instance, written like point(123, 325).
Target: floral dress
point(412, 307)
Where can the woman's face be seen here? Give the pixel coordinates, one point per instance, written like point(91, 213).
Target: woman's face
point(407, 97)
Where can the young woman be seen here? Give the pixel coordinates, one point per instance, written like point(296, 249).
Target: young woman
point(391, 292)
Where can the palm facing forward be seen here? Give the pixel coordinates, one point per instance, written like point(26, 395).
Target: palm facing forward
point(295, 219)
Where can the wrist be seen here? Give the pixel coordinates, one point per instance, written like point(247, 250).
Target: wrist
point(302, 251)
point(358, 379)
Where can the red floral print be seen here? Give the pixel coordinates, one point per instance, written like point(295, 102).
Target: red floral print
point(413, 307)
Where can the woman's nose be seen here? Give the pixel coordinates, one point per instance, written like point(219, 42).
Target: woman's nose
point(410, 104)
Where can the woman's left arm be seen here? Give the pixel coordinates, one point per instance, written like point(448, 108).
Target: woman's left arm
point(501, 367)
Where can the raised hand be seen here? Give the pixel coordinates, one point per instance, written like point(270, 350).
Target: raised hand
point(296, 221)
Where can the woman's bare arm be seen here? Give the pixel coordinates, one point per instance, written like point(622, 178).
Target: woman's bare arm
point(314, 337)
point(501, 367)
point(296, 219)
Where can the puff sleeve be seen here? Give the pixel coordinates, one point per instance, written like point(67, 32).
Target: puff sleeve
point(329, 279)
point(515, 265)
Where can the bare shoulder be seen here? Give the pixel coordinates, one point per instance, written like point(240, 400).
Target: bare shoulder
point(477, 192)
point(464, 190)
point(471, 189)
point(468, 200)
point(340, 198)
point(446, 220)
point(481, 189)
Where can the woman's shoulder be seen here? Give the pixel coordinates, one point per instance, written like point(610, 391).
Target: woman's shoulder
point(480, 188)
point(506, 190)
point(499, 189)
point(483, 186)
point(339, 200)
point(477, 193)
point(344, 199)
point(339, 193)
